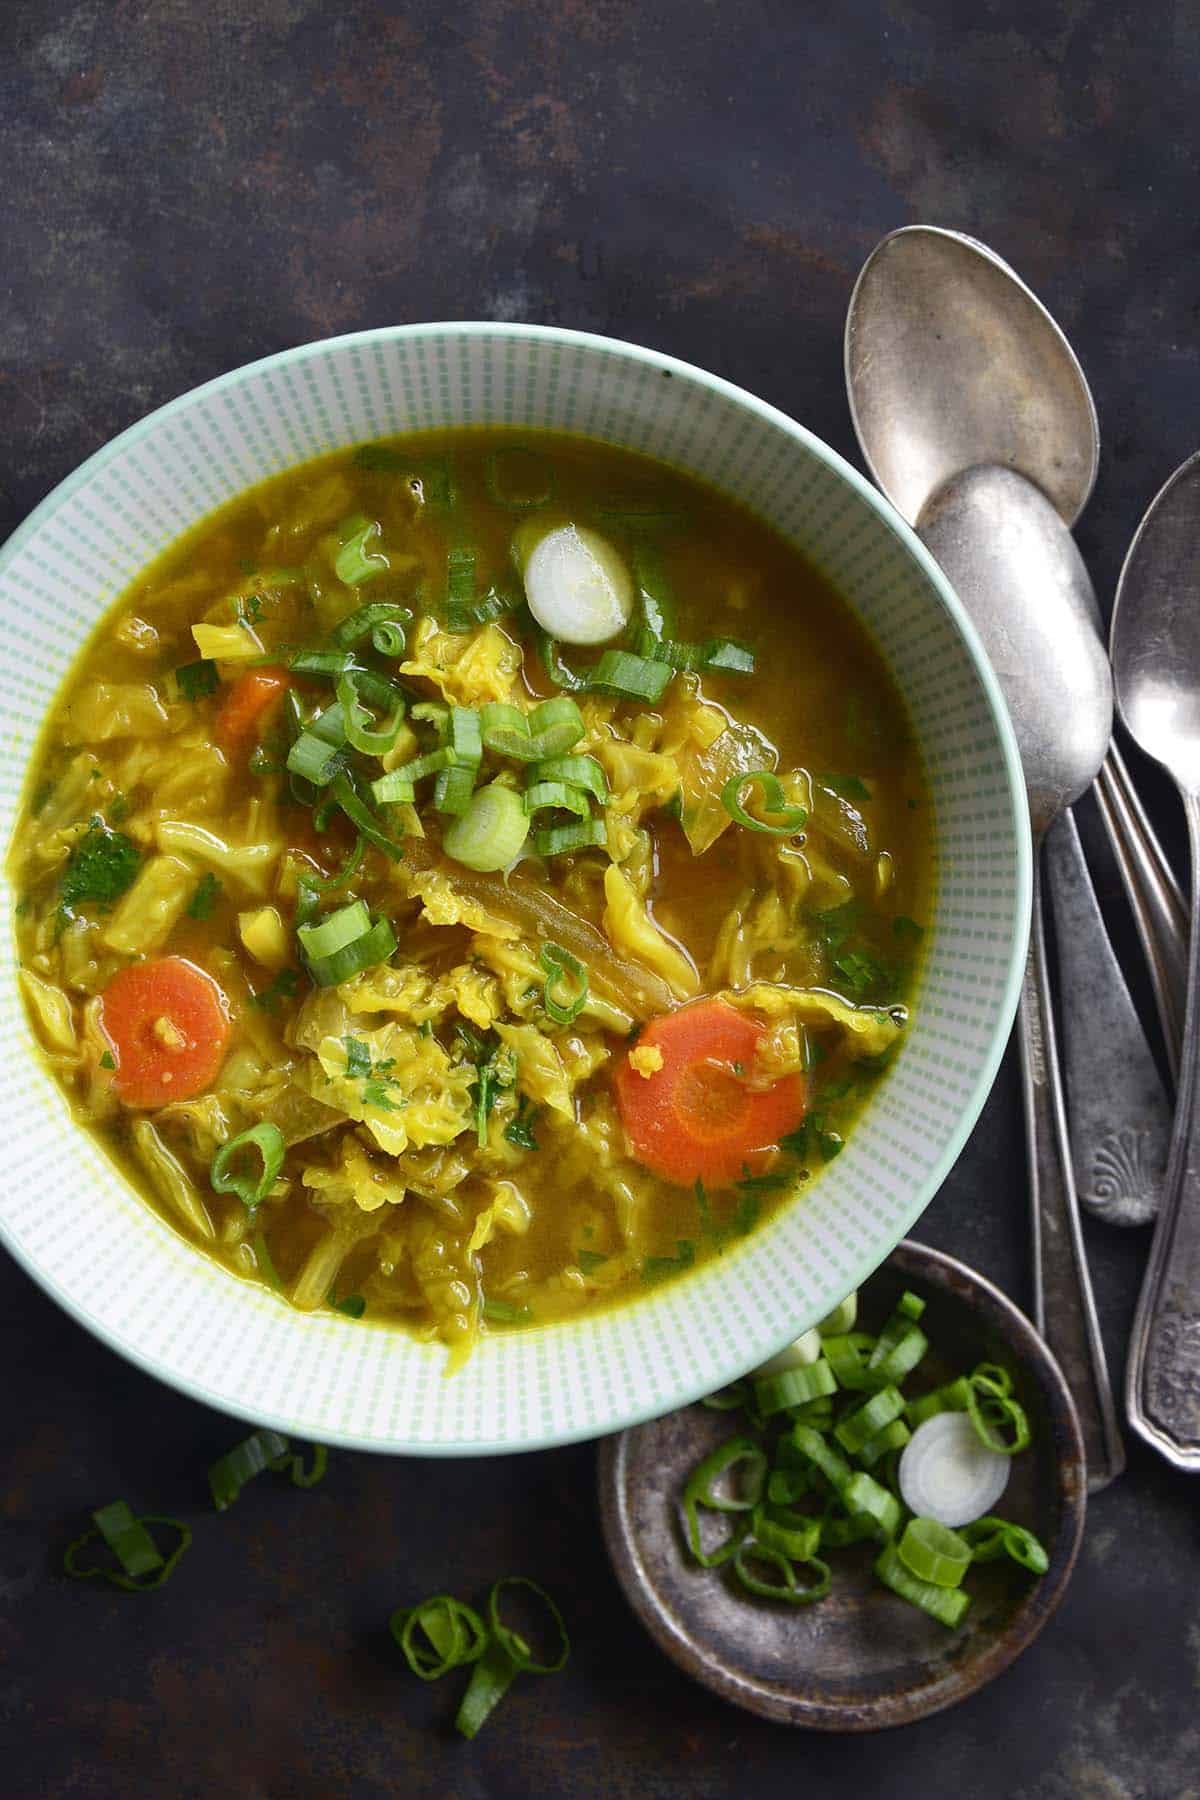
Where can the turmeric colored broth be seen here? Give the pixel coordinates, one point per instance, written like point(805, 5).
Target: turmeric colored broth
point(402, 1196)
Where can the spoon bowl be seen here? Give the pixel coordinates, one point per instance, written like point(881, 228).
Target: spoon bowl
point(1024, 583)
point(952, 361)
point(1156, 628)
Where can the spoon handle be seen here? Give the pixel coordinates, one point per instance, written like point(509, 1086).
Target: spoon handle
point(1120, 1117)
point(1158, 906)
point(1064, 1309)
point(1162, 1378)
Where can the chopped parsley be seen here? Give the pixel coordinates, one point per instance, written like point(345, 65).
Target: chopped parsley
point(354, 1305)
point(505, 1312)
point(590, 1260)
point(118, 809)
point(106, 1061)
point(248, 610)
point(519, 1130)
point(208, 892)
point(376, 1077)
point(907, 930)
point(102, 866)
point(196, 679)
point(860, 972)
point(283, 987)
point(658, 1268)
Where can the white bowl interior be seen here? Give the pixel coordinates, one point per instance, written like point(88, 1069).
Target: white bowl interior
point(72, 1220)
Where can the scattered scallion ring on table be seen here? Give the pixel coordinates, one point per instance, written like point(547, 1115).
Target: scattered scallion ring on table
point(442, 1633)
point(262, 1450)
point(263, 1140)
point(140, 1565)
point(840, 1455)
point(788, 819)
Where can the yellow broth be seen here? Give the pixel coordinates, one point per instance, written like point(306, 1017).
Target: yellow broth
point(443, 1236)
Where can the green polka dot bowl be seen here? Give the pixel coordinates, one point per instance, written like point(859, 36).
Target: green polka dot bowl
point(73, 1222)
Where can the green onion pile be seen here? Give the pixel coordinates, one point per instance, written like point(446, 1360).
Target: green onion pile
point(441, 1634)
point(838, 1454)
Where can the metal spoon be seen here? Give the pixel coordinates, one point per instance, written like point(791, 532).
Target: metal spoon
point(952, 362)
point(1021, 579)
point(1156, 667)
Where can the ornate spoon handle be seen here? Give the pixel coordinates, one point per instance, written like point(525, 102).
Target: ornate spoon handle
point(1162, 1383)
point(1118, 1110)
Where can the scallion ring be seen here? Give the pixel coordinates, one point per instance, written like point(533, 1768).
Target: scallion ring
point(264, 1139)
point(561, 967)
point(933, 1552)
point(364, 731)
point(515, 1645)
point(788, 1587)
point(454, 1635)
point(491, 832)
point(789, 819)
point(142, 1564)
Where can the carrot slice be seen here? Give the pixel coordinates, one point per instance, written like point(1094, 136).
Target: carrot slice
point(246, 704)
point(698, 1117)
point(167, 1025)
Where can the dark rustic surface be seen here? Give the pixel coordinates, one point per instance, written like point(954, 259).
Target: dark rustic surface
point(192, 183)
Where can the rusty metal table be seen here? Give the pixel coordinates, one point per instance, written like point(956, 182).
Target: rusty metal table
point(193, 183)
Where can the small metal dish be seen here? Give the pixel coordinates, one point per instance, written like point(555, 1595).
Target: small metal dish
point(861, 1659)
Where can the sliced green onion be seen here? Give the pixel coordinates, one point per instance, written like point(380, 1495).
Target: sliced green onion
point(452, 790)
point(314, 759)
point(365, 952)
point(1000, 1422)
point(142, 1565)
point(396, 787)
point(932, 1552)
point(865, 1498)
point(945, 1604)
point(432, 763)
point(947, 1473)
point(354, 563)
point(352, 803)
point(491, 832)
point(910, 1305)
point(516, 1646)
point(840, 1529)
point(630, 677)
point(897, 1351)
point(382, 622)
point(717, 653)
point(992, 1377)
point(435, 713)
point(954, 1396)
point(491, 1679)
point(335, 931)
point(547, 731)
point(860, 1426)
point(559, 672)
point(726, 1399)
point(557, 794)
point(320, 662)
point(793, 1387)
point(990, 1537)
point(560, 967)
point(736, 1453)
point(230, 1473)
point(466, 739)
point(849, 1356)
point(363, 731)
point(788, 1587)
point(893, 1437)
point(559, 840)
point(454, 1634)
point(291, 1463)
point(267, 1141)
point(841, 1319)
point(801, 1353)
point(832, 1464)
point(460, 588)
point(796, 1542)
point(576, 771)
point(790, 819)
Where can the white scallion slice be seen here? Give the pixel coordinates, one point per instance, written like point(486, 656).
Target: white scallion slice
point(577, 586)
point(842, 1318)
point(947, 1474)
point(799, 1355)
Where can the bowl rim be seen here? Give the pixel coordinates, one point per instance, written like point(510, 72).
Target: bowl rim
point(949, 1276)
point(664, 363)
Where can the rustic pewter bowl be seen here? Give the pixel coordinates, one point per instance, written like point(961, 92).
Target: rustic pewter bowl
point(862, 1658)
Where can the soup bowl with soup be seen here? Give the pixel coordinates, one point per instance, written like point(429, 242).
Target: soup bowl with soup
point(518, 881)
